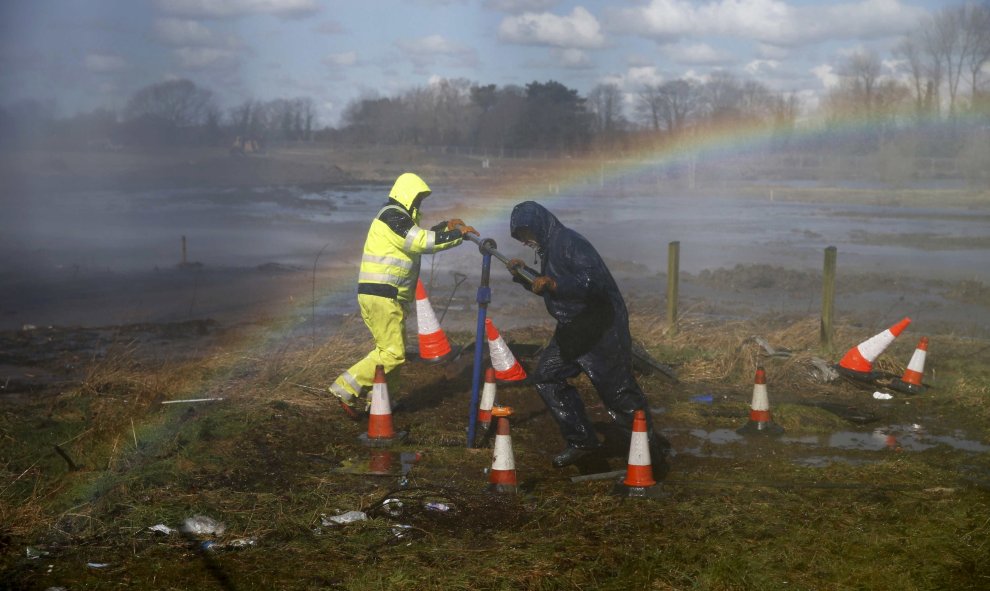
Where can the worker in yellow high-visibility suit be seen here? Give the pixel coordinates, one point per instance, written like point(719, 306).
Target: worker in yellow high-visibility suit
point(387, 281)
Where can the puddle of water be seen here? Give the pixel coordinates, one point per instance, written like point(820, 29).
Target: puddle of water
point(901, 438)
point(826, 461)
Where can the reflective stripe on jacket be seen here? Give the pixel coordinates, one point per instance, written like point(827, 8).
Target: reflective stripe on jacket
point(390, 263)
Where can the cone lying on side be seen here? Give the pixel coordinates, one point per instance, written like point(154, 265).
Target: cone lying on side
point(380, 433)
point(759, 411)
point(639, 481)
point(507, 368)
point(433, 344)
point(502, 477)
point(910, 382)
point(487, 400)
point(858, 361)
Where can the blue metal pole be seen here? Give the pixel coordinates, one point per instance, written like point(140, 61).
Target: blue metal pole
point(484, 297)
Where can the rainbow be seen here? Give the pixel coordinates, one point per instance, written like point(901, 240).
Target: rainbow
point(564, 177)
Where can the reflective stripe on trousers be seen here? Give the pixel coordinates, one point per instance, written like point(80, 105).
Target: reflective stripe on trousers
point(386, 319)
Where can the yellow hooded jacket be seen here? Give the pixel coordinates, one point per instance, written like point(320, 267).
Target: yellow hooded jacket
point(390, 263)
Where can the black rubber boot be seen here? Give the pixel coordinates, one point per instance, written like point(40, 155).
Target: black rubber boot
point(572, 454)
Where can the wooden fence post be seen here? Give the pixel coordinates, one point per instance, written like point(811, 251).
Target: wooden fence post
point(828, 299)
point(673, 273)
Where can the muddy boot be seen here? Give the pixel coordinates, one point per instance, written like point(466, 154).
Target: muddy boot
point(573, 454)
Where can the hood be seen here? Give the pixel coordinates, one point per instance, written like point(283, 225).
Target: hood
point(407, 188)
point(536, 218)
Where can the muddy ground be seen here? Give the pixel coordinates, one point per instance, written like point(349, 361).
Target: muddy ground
point(858, 492)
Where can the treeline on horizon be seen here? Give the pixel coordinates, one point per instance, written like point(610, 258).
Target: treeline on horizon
point(940, 105)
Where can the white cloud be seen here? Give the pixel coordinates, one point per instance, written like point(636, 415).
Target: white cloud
point(771, 22)
point(426, 51)
point(574, 59)
point(826, 75)
point(579, 30)
point(104, 63)
point(635, 78)
point(239, 8)
point(697, 53)
point(757, 68)
point(341, 60)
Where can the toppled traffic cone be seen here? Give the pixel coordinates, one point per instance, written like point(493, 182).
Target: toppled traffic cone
point(433, 344)
point(910, 382)
point(858, 361)
point(502, 477)
point(507, 368)
point(380, 431)
point(639, 481)
point(487, 401)
point(759, 412)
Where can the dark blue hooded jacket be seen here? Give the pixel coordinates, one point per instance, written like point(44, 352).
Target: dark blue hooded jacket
point(587, 303)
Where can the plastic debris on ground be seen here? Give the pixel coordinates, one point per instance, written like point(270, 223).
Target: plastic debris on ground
point(232, 545)
point(882, 396)
point(823, 371)
point(97, 564)
point(393, 507)
point(203, 525)
point(162, 528)
point(442, 507)
point(344, 518)
point(34, 553)
point(770, 351)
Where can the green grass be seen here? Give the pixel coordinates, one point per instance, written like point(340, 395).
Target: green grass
point(271, 461)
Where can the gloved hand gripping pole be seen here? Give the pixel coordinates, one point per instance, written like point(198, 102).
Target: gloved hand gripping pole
point(492, 249)
point(488, 249)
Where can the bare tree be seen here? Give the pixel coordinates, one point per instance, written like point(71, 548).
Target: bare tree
point(178, 102)
point(605, 105)
point(977, 27)
point(721, 96)
point(668, 106)
point(912, 54)
point(861, 74)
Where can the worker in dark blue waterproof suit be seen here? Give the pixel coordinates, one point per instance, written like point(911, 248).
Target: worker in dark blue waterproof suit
point(592, 334)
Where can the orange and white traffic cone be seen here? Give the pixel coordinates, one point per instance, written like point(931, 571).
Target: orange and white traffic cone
point(487, 400)
point(507, 368)
point(433, 344)
point(759, 410)
point(910, 382)
point(380, 430)
point(502, 477)
point(639, 481)
point(858, 361)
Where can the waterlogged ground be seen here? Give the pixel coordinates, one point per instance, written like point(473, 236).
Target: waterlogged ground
point(106, 342)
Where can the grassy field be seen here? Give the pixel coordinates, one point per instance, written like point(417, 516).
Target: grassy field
point(89, 466)
point(93, 454)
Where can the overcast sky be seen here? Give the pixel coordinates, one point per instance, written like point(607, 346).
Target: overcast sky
point(91, 53)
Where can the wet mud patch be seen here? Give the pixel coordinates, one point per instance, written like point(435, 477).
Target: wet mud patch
point(921, 240)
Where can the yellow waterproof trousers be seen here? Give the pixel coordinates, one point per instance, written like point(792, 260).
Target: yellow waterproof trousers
point(386, 319)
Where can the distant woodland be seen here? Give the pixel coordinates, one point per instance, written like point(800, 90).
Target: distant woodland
point(936, 104)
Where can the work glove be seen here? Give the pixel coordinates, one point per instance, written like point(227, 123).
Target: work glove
point(458, 224)
point(543, 283)
point(515, 265)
